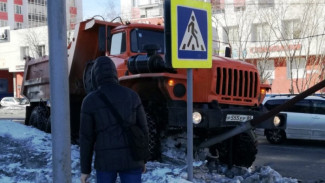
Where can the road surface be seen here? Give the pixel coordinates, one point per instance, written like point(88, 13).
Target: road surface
point(300, 159)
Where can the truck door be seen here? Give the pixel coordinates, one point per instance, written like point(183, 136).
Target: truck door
point(318, 117)
point(299, 120)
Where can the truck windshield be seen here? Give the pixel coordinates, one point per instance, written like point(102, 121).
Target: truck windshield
point(142, 37)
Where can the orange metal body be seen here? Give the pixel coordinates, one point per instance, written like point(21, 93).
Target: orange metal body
point(84, 48)
point(229, 82)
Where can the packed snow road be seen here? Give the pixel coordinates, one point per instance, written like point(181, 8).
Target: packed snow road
point(26, 157)
point(302, 159)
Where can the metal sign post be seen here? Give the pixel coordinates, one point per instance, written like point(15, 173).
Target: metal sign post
point(188, 30)
point(189, 124)
point(60, 119)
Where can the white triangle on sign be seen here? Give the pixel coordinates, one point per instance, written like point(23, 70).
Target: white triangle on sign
point(192, 40)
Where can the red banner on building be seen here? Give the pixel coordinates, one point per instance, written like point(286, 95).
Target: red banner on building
point(73, 10)
point(3, 15)
point(19, 18)
point(218, 4)
point(239, 3)
point(18, 2)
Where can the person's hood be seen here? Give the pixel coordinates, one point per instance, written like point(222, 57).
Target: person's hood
point(103, 71)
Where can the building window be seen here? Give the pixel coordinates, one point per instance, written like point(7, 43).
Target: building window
point(261, 32)
point(18, 9)
point(37, 18)
point(239, 5)
point(291, 29)
point(41, 50)
point(24, 52)
point(231, 34)
point(265, 3)
point(72, 3)
point(296, 68)
point(3, 23)
point(218, 6)
point(38, 2)
point(3, 7)
point(18, 25)
point(3, 86)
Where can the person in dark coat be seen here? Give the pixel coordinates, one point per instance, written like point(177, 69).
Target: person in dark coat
point(101, 132)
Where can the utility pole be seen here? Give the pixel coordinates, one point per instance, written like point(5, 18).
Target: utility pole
point(60, 111)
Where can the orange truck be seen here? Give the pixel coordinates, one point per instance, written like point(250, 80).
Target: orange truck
point(224, 96)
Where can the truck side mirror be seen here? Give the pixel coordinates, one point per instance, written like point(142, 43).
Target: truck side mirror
point(228, 52)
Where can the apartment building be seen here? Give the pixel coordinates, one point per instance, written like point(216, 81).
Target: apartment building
point(23, 32)
point(143, 11)
point(284, 38)
point(18, 14)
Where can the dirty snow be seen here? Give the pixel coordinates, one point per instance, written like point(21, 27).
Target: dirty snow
point(26, 157)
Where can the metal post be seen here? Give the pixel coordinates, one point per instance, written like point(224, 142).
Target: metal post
point(15, 84)
point(189, 124)
point(60, 119)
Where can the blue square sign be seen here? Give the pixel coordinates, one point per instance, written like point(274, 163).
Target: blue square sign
point(192, 33)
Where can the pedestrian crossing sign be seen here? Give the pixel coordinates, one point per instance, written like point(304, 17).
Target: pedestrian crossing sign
point(191, 31)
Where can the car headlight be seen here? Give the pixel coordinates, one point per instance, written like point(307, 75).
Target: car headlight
point(197, 117)
point(276, 121)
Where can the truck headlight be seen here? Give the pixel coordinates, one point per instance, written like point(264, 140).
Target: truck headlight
point(197, 117)
point(276, 121)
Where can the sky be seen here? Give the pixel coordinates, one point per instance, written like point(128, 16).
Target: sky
point(98, 7)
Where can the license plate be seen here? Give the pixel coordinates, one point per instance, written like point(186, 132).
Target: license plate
point(238, 117)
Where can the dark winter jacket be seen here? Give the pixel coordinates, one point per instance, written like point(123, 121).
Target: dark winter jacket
point(99, 129)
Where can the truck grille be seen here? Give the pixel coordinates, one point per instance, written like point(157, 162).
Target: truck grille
point(238, 84)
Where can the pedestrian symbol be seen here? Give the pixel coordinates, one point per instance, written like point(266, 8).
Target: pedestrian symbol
point(192, 39)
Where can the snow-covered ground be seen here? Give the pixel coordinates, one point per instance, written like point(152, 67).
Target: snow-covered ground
point(26, 157)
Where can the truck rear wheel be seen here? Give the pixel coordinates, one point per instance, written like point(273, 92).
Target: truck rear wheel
point(244, 150)
point(39, 117)
point(154, 139)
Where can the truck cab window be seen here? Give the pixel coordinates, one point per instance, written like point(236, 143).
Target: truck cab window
point(142, 37)
point(118, 44)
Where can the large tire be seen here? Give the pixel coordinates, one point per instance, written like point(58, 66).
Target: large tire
point(47, 128)
point(275, 136)
point(244, 150)
point(39, 117)
point(154, 139)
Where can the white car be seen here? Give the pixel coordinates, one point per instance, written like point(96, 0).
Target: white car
point(9, 101)
point(305, 120)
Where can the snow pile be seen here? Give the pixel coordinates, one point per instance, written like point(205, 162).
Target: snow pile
point(26, 156)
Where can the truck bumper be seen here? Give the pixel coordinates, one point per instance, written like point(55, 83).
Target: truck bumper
point(216, 117)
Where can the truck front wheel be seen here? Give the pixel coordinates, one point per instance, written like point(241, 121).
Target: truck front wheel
point(241, 151)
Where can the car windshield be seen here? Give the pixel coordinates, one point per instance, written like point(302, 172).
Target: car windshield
point(142, 37)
